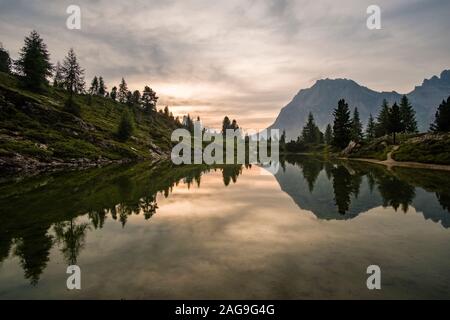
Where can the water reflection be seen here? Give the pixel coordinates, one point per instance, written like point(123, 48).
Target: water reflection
point(32, 207)
point(60, 210)
point(343, 190)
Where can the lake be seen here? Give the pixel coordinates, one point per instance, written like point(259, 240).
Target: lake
point(232, 232)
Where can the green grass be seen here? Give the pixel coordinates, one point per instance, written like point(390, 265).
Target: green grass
point(37, 125)
point(432, 149)
point(377, 149)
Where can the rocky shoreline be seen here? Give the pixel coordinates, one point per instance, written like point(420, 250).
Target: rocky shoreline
point(20, 164)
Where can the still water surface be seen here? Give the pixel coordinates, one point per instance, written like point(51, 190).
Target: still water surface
point(310, 231)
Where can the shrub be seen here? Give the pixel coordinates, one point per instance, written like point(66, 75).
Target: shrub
point(72, 107)
point(126, 126)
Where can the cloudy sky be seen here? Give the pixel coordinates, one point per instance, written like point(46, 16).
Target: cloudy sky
point(242, 58)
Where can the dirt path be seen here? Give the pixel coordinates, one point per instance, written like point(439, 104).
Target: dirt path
point(389, 159)
point(390, 162)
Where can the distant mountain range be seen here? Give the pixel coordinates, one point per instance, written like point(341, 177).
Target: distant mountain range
point(323, 96)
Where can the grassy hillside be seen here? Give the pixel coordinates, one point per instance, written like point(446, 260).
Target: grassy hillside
point(427, 148)
point(36, 131)
point(424, 148)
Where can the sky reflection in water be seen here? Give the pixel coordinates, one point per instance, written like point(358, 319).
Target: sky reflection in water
point(310, 231)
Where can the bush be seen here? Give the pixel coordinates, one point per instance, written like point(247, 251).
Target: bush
point(72, 107)
point(126, 126)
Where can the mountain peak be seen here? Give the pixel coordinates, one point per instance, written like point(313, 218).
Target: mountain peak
point(445, 76)
point(444, 79)
point(322, 98)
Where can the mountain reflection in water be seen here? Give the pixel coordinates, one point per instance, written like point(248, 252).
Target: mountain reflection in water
point(49, 217)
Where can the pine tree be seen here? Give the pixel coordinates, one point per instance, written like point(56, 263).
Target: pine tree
point(101, 87)
point(382, 128)
point(357, 127)
point(189, 124)
point(58, 77)
point(395, 121)
point(310, 131)
point(408, 116)
point(126, 125)
point(113, 94)
point(5, 60)
point(94, 86)
point(166, 111)
point(226, 124)
point(129, 99)
point(73, 75)
point(149, 99)
point(328, 134)
point(371, 128)
point(136, 98)
point(34, 64)
point(342, 128)
point(123, 91)
point(442, 118)
point(282, 141)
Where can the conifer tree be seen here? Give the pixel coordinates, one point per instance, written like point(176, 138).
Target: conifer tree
point(408, 116)
point(129, 99)
point(226, 124)
point(94, 86)
point(166, 111)
point(126, 125)
point(113, 94)
point(34, 64)
point(442, 118)
point(58, 77)
point(123, 91)
point(371, 128)
point(101, 87)
point(5, 60)
point(342, 128)
point(395, 121)
point(357, 127)
point(310, 132)
point(149, 99)
point(136, 98)
point(382, 128)
point(328, 134)
point(73, 75)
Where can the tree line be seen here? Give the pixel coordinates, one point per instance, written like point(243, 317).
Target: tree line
point(33, 68)
point(400, 118)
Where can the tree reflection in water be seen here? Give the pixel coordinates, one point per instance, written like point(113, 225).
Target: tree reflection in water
point(41, 212)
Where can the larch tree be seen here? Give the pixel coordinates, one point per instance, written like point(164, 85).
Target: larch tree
point(73, 74)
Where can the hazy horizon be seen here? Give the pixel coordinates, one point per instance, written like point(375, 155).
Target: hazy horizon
point(245, 59)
